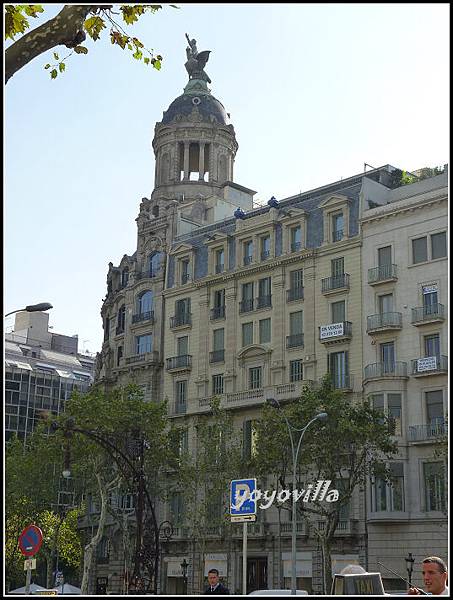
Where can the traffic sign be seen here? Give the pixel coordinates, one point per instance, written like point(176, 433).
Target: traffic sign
point(243, 518)
point(30, 563)
point(30, 540)
point(242, 501)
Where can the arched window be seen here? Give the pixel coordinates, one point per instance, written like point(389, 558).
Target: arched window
point(124, 277)
point(145, 302)
point(154, 264)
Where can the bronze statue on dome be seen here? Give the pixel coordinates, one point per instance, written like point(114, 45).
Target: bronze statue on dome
point(196, 61)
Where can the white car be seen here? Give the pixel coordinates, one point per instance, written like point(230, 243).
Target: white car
point(277, 593)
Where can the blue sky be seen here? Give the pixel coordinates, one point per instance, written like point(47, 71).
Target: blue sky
point(314, 91)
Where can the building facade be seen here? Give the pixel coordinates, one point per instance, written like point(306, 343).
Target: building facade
point(225, 299)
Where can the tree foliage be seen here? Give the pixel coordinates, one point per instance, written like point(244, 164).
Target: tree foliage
point(70, 28)
point(353, 444)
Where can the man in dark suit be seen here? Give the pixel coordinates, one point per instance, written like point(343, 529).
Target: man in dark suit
point(215, 587)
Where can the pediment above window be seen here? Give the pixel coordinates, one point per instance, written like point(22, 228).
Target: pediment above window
point(334, 201)
point(181, 249)
point(253, 352)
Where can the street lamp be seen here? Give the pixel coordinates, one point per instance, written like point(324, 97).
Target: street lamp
point(32, 308)
point(184, 567)
point(322, 416)
point(409, 566)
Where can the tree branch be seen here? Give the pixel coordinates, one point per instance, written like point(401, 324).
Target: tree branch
point(61, 30)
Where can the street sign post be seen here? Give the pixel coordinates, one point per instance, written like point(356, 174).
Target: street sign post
point(243, 510)
point(30, 563)
point(30, 541)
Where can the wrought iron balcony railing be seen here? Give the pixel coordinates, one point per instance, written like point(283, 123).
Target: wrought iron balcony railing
point(217, 356)
point(296, 293)
point(264, 301)
point(179, 362)
point(246, 305)
point(387, 320)
point(330, 284)
point(429, 365)
point(218, 312)
point(386, 369)
point(144, 316)
point(181, 319)
point(295, 341)
point(428, 431)
point(382, 273)
point(431, 312)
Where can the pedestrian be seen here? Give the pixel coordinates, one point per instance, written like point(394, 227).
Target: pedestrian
point(215, 587)
point(434, 571)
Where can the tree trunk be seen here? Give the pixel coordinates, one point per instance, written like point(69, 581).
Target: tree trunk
point(60, 30)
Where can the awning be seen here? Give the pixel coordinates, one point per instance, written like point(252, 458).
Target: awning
point(66, 374)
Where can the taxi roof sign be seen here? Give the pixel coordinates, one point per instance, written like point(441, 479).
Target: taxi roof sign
point(358, 584)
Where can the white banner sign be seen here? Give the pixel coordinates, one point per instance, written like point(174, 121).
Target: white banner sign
point(303, 564)
point(332, 330)
point(427, 364)
point(174, 568)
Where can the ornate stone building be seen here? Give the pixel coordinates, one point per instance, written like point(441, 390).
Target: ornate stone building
point(245, 303)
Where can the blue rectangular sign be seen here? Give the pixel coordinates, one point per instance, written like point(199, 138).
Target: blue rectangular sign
point(239, 489)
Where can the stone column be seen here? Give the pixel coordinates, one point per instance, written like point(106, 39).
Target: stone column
point(186, 161)
point(201, 161)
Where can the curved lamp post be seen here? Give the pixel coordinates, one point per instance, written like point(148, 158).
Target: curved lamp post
point(32, 308)
point(131, 464)
point(184, 567)
point(322, 416)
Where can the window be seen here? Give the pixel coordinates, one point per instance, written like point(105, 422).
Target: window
point(182, 309)
point(296, 238)
point(181, 441)
point(337, 266)
point(219, 298)
point(265, 247)
point(124, 277)
point(338, 367)
point(296, 279)
point(250, 436)
point(219, 260)
point(432, 345)
point(107, 329)
point(296, 322)
point(430, 303)
point(264, 292)
point(154, 264)
point(255, 378)
point(181, 395)
point(435, 488)
point(185, 275)
point(247, 297)
point(390, 496)
point(143, 343)
point(386, 303)
point(337, 227)
point(176, 508)
point(387, 351)
point(434, 407)
point(103, 551)
point(265, 331)
point(295, 370)
point(119, 355)
point(338, 312)
point(121, 319)
point(419, 250)
point(385, 256)
point(438, 245)
point(248, 252)
point(394, 413)
point(217, 384)
point(218, 342)
point(145, 302)
point(247, 334)
point(182, 344)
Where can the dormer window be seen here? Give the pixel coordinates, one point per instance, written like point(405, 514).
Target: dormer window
point(248, 252)
point(296, 238)
point(337, 227)
point(220, 260)
point(124, 277)
point(185, 273)
point(154, 264)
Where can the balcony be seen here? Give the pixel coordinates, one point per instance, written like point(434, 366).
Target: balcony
point(178, 408)
point(293, 294)
point(119, 329)
point(385, 370)
point(219, 268)
point(217, 356)
point(185, 278)
point(337, 235)
point(342, 381)
point(248, 260)
point(287, 528)
point(264, 302)
point(296, 246)
point(345, 527)
point(382, 274)
point(179, 363)
point(218, 312)
point(246, 305)
point(335, 332)
point(181, 320)
point(424, 315)
point(384, 322)
point(265, 254)
point(429, 365)
point(295, 341)
point(253, 529)
point(145, 357)
point(338, 283)
point(427, 432)
point(147, 316)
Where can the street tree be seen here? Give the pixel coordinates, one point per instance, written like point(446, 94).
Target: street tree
point(204, 476)
point(353, 444)
point(70, 28)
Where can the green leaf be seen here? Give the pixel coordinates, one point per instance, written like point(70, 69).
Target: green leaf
point(47, 66)
point(138, 55)
point(53, 73)
point(157, 64)
point(146, 60)
point(93, 26)
point(62, 67)
point(81, 50)
point(56, 56)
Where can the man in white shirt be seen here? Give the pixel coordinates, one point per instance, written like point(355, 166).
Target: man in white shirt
point(435, 577)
